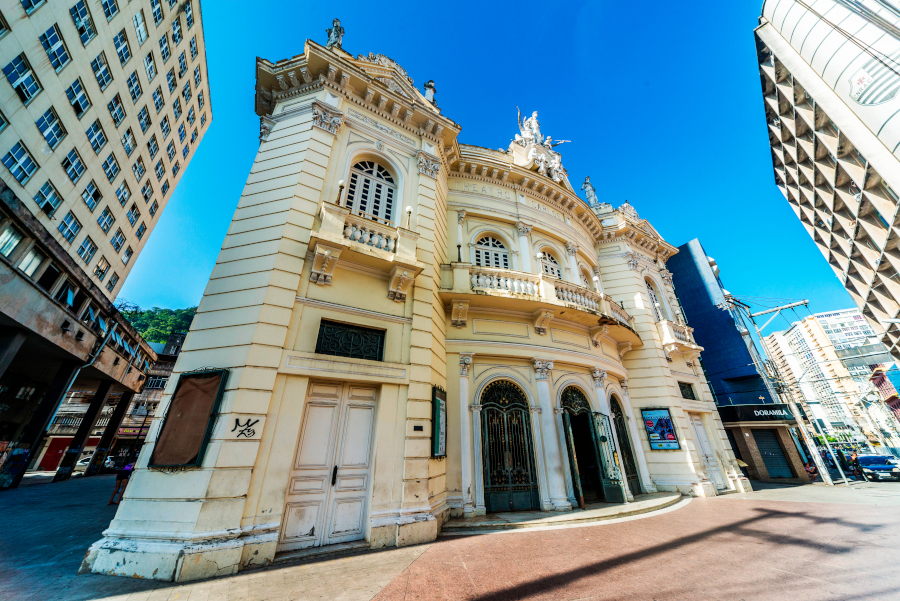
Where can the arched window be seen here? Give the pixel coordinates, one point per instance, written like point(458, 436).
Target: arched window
point(550, 266)
point(658, 311)
point(490, 252)
point(371, 191)
point(586, 280)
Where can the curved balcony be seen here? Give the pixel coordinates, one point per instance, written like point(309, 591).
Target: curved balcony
point(677, 337)
point(538, 294)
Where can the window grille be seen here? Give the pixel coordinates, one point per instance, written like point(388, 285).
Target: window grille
point(654, 301)
point(687, 391)
point(371, 191)
point(550, 266)
point(490, 252)
point(344, 340)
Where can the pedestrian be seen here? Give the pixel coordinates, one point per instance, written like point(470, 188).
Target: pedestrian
point(857, 469)
point(121, 483)
point(811, 470)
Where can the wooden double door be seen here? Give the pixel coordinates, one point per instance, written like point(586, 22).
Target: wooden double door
point(328, 492)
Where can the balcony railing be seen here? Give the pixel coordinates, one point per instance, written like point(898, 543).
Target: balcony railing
point(672, 333)
point(516, 282)
point(369, 232)
point(338, 223)
point(579, 295)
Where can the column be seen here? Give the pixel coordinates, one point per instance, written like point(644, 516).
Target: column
point(599, 377)
point(598, 283)
point(638, 446)
point(572, 251)
point(567, 469)
point(480, 508)
point(524, 247)
point(460, 218)
point(556, 483)
point(30, 440)
point(543, 490)
point(106, 439)
point(10, 343)
point(73, 453)
point(465, 435)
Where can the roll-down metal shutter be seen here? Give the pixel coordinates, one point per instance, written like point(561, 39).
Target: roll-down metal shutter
point(772, 454)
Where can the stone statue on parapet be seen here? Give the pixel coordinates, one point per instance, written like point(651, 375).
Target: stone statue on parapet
point(529, 130)
point(335, 35)
point(588, 188)
point(549, 143)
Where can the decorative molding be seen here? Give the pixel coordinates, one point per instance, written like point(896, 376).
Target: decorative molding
point(558, 410)
point(465, 360)
point(459, 313)
point(542, 318)
point(666, 276)
point(460, 217)
point(382, 127)
point(428, 165)
point(633, 261)
point(326, 117)
point(364, 370)
point(599, 376)
point(311, 302)
point(324, 260)
point(623, 384)
point(623, 347)
point(523, 229)
point(534, 409)
point(597, 333)
point(266, 125)
point(474, 408)
point(571, 249)
point(400, 281)
point(542, 368)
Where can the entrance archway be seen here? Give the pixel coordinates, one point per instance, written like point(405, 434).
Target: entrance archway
point(581, 443)
point(629, 466)
point(510, 478)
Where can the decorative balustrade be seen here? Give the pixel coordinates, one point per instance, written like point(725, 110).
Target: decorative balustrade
point(578, 295)
point(371, 233)
point(681, 334)
point(516, 282)
point(617, 312)
point(672, 333)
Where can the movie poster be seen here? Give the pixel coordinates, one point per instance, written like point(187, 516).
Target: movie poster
point(660, 430)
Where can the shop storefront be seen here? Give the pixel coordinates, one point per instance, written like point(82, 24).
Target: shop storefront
point(761, 436)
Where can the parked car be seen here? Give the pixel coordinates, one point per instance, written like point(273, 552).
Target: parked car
point(82, 464)
point(879, 467)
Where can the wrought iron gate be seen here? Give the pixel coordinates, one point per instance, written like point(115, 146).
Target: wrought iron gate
point(510, 480)
point(625, 452)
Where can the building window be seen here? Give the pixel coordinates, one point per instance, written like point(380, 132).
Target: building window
point(164, 47)
point(371, 191)
point(111, 167)
point(3, 122)
point(31, 5)
point(152, 146)
point(155, 206)
point(164, 126)
point(127, 256)
point(21, 78)
point(51, 128)
point(190, 117)
point(47, 198)
point(110, 8)
point(142, 229)
point(9, 241)
point(118, 240)
point(158, 99)
point(490, 252)
point(658, 313)
point(194, 136)
point(128, 141)
point(20, 163)
point(101, 269)
point(56, 51)
point(69, 227)
point(106, 220)
point(134, 87)
point(193, 46)
point(188, 15)
point(170, 150)
point(87, 249)
point(31, 261)
point(159, 170)
point(95, 136)
point(182, 65)
point(150, 66)
point(202, 119)
point(197, 78)
point(156, 10)
point(176, 31)
point(144, 119)
point(77, 98)
point(121, 42)
point(185, 151)
point(138, 169)
point(344, 340)
point(200, 101)
point(550, 266)
point(176, 108)
point(170, 78)
point(83, 22)
point(147, 191)
point(116, 110)
point(123, 193)
point(101, 71)
point(157, 382)
point(687, 391)
point(165, 189)
point(140, 27)
point(134, 214)
point(73, 166)
point(113, 280)
point(176, 168)
point(91, 195)
point(186, 92)
point(182, 134)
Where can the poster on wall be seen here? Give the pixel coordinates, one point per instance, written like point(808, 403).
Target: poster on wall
point(438, 422)
point(660, 430)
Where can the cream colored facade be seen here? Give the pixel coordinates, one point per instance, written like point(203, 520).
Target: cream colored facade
point(577, 318)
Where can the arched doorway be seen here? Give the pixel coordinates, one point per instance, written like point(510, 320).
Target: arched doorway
point(581, 443)
point(510, 478)
point(629, 466)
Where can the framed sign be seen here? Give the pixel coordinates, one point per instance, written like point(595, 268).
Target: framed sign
point(190, 419)
point(438, 422)
point(660, 429)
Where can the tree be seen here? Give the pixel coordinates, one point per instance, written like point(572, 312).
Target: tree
point(156, 324)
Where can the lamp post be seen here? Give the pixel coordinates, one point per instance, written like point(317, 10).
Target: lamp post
point(337, 201)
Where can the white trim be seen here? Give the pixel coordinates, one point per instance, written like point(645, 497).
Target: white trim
point(352, 310)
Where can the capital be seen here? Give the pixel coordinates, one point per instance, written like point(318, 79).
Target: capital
point(474, 408)
point(599, 376)
point(464, 362)
point(460, 217)
point(571, 249)
point(523, 229)
point(542, 368)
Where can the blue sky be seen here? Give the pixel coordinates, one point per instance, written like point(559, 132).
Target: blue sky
point(662, 103)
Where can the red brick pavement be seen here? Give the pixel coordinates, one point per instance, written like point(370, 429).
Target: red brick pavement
point(722, 548)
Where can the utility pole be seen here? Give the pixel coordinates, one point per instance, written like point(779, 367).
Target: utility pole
point(786, 398)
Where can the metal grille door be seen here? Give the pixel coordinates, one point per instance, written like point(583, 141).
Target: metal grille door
point(773, 456)
point(510, 481)
point(628, 464)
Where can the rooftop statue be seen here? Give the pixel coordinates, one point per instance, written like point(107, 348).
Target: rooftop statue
point(335, 35)
point(588, 188)
point(529, 130)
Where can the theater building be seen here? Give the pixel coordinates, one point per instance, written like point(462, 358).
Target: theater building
point(401, 328)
